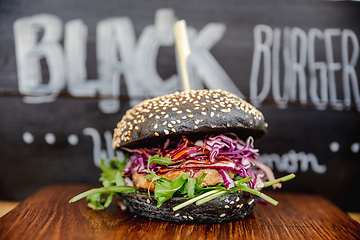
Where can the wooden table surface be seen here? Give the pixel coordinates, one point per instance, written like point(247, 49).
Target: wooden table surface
point(48, 215)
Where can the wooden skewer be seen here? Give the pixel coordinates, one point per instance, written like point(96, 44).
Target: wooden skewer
point(183, 50)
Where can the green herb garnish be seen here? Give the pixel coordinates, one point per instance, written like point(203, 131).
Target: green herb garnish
point(113, 181)
point(240, 185)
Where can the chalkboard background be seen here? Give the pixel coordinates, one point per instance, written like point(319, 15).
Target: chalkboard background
point(61, 137)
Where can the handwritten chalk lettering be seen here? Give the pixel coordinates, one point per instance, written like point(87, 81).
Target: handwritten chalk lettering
point(314, 66)
point(281, 100)
point(29, 51)
point(299, 53)
point(349, 72)
point(150, 40)
point(115, 38)
point(98, 152)
point(289, 162)
point(204, 64)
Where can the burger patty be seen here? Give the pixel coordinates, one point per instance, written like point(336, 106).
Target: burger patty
point(212, 177)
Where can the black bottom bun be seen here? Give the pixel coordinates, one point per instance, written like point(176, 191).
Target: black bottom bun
point(228, 207)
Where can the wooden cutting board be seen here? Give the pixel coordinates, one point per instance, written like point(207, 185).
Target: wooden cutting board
point(48, 215)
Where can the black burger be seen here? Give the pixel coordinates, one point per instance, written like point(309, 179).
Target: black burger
point(189, 158)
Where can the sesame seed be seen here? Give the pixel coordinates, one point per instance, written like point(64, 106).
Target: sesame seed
point(178, 121)
point(188, 110)
point(170, 125)
point(195, 127)
point(174, 109)
point(190, 116)
point(136, 128)
point(156, 134)
point(176, 215)
point(251, 201)
point(157, 117)
point(212, 114)
point(183, 117)
point(155, 126)
point(213, 126)
point(166, 116)
point(232, 202)
point(237, 199)
point(203, 113)
point(178, 112)
point(162, 113)
point(164, 123)
point(191, 217)
point(151, 115)
point(223, 215)
point(166, 131)
point(227, 200)
point(196, 108)
point(173, 129)
point(239, 206)
point(185, 217)
point(173, 122)
point(227, 206)
point(228, 124)
point(148, 200)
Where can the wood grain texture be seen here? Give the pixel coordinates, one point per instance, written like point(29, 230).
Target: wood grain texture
point(48, 215)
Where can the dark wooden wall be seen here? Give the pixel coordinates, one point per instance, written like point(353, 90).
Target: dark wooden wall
point(51, 129)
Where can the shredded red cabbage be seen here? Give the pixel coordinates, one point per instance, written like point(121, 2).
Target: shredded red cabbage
point(221, 152)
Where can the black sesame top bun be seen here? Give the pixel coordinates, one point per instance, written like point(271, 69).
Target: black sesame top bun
point(188, 112)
